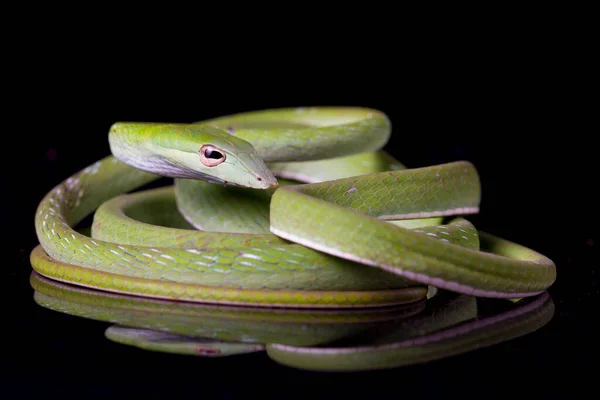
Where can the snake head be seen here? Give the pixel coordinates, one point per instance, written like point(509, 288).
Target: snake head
point(233, 161)
point(190, 152)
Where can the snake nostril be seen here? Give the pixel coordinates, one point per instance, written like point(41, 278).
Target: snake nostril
point(259, 179)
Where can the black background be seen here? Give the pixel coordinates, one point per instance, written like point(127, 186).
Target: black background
point(511, 105)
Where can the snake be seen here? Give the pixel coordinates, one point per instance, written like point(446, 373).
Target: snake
point(337, 221)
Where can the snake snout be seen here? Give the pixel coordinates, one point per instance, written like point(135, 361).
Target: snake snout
point(266, 180)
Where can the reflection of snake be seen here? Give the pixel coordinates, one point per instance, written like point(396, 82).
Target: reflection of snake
point(433, 343)
point(338, 340)
point(162, 324)
point(344, 252)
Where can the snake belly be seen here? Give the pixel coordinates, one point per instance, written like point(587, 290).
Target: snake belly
point(330, 244)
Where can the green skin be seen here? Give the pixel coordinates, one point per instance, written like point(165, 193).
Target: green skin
point(325, 340)
point(334, 243)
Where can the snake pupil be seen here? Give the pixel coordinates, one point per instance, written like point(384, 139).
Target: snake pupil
point(210, 153)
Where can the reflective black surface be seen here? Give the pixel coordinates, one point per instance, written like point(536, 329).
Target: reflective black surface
point(536, 168)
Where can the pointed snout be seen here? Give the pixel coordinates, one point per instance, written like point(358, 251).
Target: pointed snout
point(266, 180)
point(259, 175)
point(260, 179)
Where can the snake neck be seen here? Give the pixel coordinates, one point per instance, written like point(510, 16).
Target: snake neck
point(131, 150)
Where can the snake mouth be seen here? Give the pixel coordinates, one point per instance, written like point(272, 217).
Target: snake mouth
point(259, 183)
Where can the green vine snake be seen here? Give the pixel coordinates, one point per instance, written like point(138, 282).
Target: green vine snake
point(346, 224)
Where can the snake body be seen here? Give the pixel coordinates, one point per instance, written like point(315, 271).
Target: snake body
point(332, 242)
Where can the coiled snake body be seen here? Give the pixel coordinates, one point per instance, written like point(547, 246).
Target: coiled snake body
point(361, 231)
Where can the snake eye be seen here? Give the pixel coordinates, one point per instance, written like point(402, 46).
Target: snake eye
point(211, 156)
